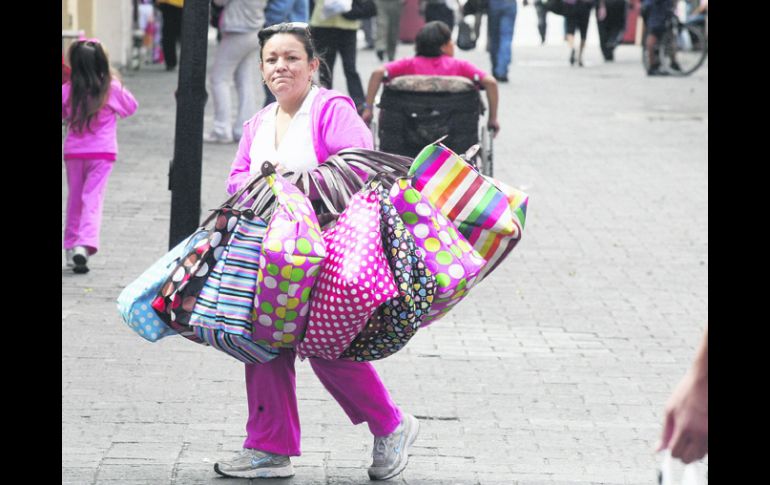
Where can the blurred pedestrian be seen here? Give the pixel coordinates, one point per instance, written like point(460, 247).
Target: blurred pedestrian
point(333, 35)
point(541, 13)
point(611, 21)
point(91, 102)
point(577, 13)
point(236, 59)
point(388, 27)
point(171, 32)
point(501, 18)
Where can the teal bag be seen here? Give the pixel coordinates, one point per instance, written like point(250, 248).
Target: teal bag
point(134, 302)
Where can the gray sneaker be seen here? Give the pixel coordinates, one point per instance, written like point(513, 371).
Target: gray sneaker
point(249, 463)
point(391, 452)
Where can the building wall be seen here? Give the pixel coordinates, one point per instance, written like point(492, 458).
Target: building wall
point(107, 20)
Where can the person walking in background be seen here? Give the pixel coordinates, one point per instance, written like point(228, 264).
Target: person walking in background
point(91, 102)
point(280, 11)
point(611, 21)
point(577, 13)
point(541, 13)
point(236, 58)
point(686, 425)
point(297, 133)
point(501, 18)
point(332, 35)
point(388, 26)
point(171, 32)
point(442, 10)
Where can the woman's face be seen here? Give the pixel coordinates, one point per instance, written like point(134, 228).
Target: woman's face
point(285, 67)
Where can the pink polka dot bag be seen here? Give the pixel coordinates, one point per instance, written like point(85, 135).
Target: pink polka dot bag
point(355, 279)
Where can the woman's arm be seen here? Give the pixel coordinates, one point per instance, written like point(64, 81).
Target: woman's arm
point(490, 85)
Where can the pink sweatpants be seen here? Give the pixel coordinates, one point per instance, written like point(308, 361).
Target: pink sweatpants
point(86, 182)
point(273, 423)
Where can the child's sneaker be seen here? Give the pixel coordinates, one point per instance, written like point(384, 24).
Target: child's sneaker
point(249, 463)
point(80, 259)
point(391, 452)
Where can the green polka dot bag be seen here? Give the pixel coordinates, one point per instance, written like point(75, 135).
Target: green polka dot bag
point(292, 253)
point(448, 254)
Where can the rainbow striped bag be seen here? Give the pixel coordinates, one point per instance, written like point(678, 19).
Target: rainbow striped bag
point(487, 212)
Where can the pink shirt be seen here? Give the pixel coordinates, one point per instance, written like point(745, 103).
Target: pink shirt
point(335, 125)
point(437, 66)
point(101, 142)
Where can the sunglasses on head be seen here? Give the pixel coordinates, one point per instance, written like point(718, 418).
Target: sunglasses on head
point(283, 28)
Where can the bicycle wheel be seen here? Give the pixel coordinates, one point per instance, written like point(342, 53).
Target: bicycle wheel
point(685, 50)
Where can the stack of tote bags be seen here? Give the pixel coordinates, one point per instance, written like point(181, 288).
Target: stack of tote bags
point(390, 255)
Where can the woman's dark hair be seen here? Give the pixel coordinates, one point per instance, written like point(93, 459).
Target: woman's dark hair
point(90, 79)
point(431, 37)
point(300, 30)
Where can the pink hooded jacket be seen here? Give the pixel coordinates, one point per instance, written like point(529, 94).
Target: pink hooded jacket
point(335, 123)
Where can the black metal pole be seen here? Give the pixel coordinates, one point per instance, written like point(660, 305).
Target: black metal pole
point(185, 170)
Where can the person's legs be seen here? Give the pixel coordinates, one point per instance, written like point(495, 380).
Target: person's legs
point(584, 16)
point(493, 35)
point(505, 39)
point(541, 25)
point(273, 423)
point(346, 45)
point(96, 172)
point(75, 180)
point(171, 32)
point(245, 82)
point(225, 64)
point(383, 28)
point(324, 39)
point(394, 25)
point(357, 388)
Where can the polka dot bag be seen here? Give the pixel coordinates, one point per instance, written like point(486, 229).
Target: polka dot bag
point(355, 279)
point(135, 301)
point(398, 319)
point(448, 255)
point(289, 265)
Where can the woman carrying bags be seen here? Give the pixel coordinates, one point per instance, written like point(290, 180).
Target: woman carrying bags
point(298, 132)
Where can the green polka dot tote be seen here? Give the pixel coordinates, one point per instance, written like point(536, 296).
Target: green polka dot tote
point(355, 279)
point(135, 301)
point(292, 254)
point(398, 319)
point(448, 254)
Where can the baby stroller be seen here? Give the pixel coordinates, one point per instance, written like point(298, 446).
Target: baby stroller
point(415, 111)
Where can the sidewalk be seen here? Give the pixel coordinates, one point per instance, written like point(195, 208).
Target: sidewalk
point(554, 371)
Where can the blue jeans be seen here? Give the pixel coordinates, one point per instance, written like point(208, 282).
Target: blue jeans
point(501, 17)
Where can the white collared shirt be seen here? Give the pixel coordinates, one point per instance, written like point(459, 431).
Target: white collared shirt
point(296, 152)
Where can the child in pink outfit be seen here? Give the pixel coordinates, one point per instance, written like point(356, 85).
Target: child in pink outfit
point(91, 102)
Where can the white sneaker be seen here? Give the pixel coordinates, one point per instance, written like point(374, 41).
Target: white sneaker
point(391, 452)
point(214, 137)
point(80, 259)
point(68, 253)
point(249, 463)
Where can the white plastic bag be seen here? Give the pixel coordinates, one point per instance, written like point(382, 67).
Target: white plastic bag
point(335, 7)
point(674, 472)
